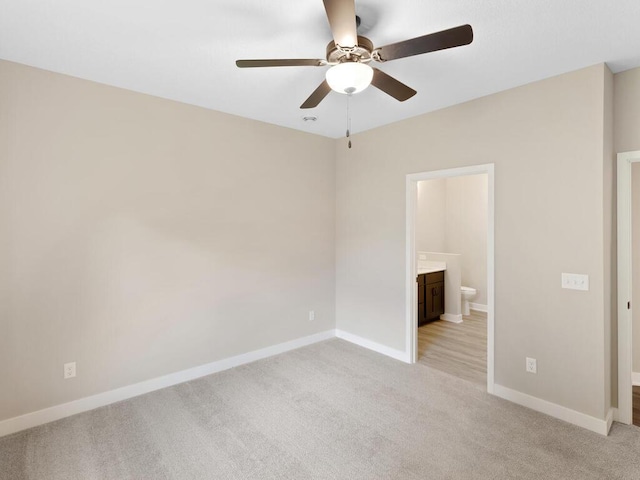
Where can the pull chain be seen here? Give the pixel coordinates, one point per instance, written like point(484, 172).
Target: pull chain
point(348, 119)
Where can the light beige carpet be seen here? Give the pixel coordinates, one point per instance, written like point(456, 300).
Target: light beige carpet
point(329, 411)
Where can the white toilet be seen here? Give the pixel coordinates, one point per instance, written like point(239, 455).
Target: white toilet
point(467, 294)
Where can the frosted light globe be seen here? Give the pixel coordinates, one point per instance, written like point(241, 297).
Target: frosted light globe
point(349, 77)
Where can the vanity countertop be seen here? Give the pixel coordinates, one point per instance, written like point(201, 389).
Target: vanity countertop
point(431, 267)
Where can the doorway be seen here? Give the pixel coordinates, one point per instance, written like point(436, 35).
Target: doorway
point(413, 314)
point(626, 376)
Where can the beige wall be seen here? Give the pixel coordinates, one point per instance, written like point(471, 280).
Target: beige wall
point(546, 140)
point(431, 216)
point(610, 282)
point(452, 218)
point(467, 229)
point(140, 236)
point(627, 111)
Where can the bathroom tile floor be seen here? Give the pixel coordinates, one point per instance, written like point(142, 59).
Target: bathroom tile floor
point(459, 349)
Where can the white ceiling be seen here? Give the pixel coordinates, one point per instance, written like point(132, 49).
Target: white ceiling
point(185, 50)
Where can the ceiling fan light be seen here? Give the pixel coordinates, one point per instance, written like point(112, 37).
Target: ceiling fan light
point(349, 77)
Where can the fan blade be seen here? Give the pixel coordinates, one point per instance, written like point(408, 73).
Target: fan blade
point(342, 20)
point(454, 37)
point(294, 62)
point(317, 96)
point(391, 86)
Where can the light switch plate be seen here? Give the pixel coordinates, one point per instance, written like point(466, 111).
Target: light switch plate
point(575, 281)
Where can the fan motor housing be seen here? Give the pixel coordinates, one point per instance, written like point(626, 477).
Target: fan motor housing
point(361, 52)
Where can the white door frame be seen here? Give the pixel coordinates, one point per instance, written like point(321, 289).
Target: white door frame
point(411, 267)
point(625, 314)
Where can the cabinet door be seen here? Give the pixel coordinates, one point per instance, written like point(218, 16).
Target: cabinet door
point(435, 300)
point(438, 299)
point(422, 309)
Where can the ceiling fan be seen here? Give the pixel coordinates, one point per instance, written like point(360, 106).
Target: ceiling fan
point(349, 55)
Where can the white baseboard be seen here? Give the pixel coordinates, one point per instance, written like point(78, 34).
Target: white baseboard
point(57, 412)
point(450, 317)
point(40, 417)
point(616, 414)
point(554, 410)
point(478, 307)
point(635, 379)
point(371, 345)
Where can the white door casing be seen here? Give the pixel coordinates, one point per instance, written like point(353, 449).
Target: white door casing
point(625, 307)
point(411, 268)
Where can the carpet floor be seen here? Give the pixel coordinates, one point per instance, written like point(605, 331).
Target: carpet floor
point(328, 411)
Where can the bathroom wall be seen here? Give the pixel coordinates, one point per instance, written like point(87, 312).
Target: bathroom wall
point(431, 217)
point(452, 218)
point(466, 229)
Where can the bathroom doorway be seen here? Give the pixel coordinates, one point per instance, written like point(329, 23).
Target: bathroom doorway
point(450, 271)
point(628, 217)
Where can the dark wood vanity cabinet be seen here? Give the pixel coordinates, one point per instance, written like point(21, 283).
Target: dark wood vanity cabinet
point(422, 309)
point(430, 296)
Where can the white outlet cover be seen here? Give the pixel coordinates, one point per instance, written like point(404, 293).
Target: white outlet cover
point(69, 370)
point(312, 315)
point(532, 365)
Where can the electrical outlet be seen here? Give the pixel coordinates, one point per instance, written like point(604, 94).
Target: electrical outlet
point(532, 365)
point(69, 370)
point(422, 256)
point(312, 315)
